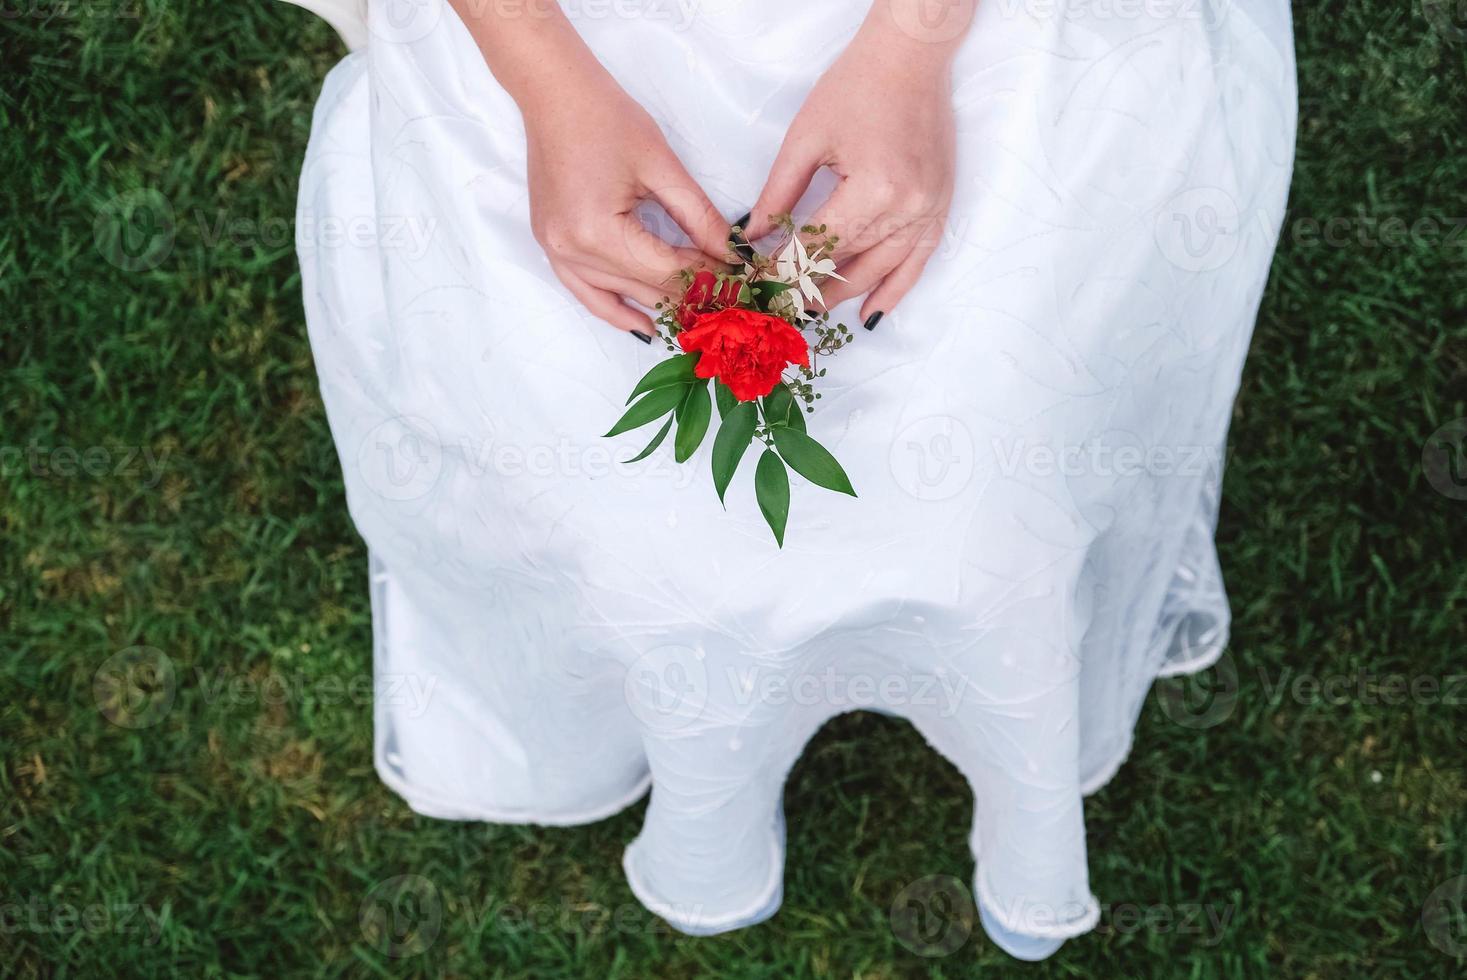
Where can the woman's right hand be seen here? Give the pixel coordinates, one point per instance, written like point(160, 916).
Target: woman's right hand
point(592, 158)
point(593, 155)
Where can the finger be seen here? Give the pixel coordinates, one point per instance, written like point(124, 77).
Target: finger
point(683, 200)
point(787, 182)
point(899, 282)
point(867, 270)
point(649, 259)
point(623, 247)
point(850, 218)
point(602, 303)
point(630, 289)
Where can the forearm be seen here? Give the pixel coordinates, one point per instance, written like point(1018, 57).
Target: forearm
point(531, 48)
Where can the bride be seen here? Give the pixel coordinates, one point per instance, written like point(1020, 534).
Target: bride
point(1055, 221)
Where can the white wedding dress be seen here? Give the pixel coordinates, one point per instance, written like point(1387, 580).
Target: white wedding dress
point(1035, 434)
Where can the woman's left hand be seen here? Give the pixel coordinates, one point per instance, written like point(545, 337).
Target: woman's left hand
point(881, 118)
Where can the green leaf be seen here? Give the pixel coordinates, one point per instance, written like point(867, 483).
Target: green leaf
point(692, 422)
point(772, 489)
point(725, 398)
point(674, 370)
point(767, 289)
point(732, 440)
point(810, 459)
point(657, 402)
point(656, 441)
point(780, 408)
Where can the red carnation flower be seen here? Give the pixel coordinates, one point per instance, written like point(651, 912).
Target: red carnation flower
point(745, 349)
point(704, 295)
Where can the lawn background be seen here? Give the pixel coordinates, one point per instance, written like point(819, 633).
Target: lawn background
point(251, 826)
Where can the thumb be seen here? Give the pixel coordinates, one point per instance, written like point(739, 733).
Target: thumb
point(786, 184)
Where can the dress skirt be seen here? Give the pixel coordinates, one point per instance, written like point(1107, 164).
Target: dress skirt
point(1035, 434)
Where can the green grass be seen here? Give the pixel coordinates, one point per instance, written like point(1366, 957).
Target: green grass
point(242, 833)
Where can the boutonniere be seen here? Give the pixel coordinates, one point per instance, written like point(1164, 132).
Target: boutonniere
point(750, 343)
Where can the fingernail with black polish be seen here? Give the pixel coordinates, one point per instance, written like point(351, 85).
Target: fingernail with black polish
point(873, 320)
point(644, 338)
point(744, 221)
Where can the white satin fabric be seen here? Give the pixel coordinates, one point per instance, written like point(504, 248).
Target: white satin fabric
point(1035, 434)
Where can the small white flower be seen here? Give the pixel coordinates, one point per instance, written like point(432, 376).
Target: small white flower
point(797, 268)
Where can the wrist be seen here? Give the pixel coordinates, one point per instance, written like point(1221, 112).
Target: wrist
point(919, 35)
point(533, 52)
